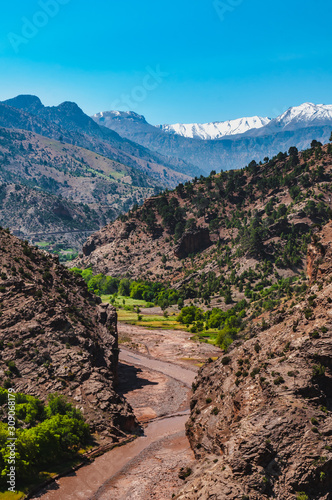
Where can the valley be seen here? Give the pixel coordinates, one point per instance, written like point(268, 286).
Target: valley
point(187, 337)
point(166, 250)
point(58, 193)
point(157, 385)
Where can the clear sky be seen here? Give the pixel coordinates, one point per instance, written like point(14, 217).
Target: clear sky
point(176, 61)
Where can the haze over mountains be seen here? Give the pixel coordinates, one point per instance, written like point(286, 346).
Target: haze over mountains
point(226, 145)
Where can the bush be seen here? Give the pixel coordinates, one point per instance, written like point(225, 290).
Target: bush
point(226, 337)
point(185, 472)
point(301, 496)
point(255, 372)
point(279, 380)
point(318, 370)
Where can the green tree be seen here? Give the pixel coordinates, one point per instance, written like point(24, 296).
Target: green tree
point(124, 287)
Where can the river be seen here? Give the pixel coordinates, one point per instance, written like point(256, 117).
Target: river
point(138, 469)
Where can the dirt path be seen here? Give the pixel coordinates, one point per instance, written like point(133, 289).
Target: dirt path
point(158, 390)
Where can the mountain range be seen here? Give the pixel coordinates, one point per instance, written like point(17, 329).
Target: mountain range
point(68, 123)
point(225, 145)
point(215, 130)
point(63, 176)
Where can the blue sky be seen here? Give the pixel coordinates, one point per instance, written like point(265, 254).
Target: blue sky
point(174, 61)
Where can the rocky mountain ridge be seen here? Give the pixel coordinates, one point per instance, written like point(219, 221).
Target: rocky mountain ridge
point(68, 123)
point(57, 337)
point(206, 236)
point(307, 114)
point(215, 130)
point(261, 416)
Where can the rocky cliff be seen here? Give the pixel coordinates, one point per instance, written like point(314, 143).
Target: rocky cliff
point(57, 337)
point(261, 421)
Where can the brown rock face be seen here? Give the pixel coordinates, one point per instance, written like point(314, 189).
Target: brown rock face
point(319, 255)
point(261, 420)
point(58, 337)
point(192, 242)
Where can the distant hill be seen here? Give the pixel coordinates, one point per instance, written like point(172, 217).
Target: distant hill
point(56, 192)
point(68, 123)
point(296, 127)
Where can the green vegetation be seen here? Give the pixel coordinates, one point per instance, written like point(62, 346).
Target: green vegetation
point(227, 324)
point(47, 435)
point(302, 496)
point(151, 292)
point(269, 234)
point(286, 188)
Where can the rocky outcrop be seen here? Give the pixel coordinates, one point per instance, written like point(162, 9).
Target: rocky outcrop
point(319, 255)
point(57, 337)
point(261, 416)
point(192, 241)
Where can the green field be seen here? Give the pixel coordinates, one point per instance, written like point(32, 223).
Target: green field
point(42, 244)
point(8, 495)
point(150, 320)
point(128, 301)
point(153, 321)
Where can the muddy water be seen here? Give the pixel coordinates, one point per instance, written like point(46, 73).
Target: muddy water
point(88, 481)
point(103, 480)
point(171, 370)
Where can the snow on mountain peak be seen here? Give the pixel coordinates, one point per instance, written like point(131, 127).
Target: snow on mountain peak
point(306, 113)
point(215, 130)
point(108, 116)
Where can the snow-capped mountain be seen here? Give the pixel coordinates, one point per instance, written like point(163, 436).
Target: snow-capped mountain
point(226, 145)
point(106, 118)
point(215, 130)
point(305, 115)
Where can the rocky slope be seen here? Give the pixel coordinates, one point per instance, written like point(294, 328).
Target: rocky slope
point(261, 421)
point(50, 186)
point(68, 122)
point(46, 219)
point(56, 337)
point(239, 231)
point(296, 127)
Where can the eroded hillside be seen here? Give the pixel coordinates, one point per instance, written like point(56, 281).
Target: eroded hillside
point(261, 420)
point(227, 237)
point(50, 186)
point(57, 337)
